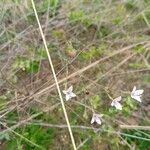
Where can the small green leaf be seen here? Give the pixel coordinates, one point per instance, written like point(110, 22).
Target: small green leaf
point(95, 101)
point(4, 136)
point(146, 78)
point(139, 49)
point(80, 16)
point(26, 64)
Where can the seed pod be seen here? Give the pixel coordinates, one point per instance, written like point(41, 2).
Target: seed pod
point(70, 50)
point(72, 53)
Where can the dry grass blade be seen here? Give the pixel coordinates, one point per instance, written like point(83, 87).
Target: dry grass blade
point(135, 127)
point(54, 75)
point(88, 67)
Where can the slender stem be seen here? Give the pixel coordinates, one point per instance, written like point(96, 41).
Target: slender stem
point(135, 127)
point(54, 75)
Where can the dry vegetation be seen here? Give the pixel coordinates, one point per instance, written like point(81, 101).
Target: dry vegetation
point(101, 47)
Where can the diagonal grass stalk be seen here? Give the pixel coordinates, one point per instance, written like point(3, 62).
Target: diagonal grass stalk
point(54, 75)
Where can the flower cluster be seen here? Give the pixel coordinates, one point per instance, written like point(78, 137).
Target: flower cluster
point(97, 118)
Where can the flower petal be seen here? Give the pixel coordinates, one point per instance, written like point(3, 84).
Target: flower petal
point(72, 94)
point(118, 106)
point(67, 97)
point(118, 99)
point(112, 103)
point(138, 98)
point(92, 120)
point(70, 89)
point(98, 120)
point(138, 92)
point(64, 91)
point(134, 89)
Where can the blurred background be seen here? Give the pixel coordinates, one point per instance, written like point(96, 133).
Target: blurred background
point(101, 47)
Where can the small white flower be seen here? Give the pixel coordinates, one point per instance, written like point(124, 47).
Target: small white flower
point(116, 103)
point(96, 118)
point(137, 94)
point(69, 94)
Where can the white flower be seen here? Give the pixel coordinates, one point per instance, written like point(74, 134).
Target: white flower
point(116, 103)
point(96, 118)
point(137, 94)
point(69, 94)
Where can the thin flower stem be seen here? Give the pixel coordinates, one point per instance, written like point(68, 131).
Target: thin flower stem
point(54, 75)
point(135, 127)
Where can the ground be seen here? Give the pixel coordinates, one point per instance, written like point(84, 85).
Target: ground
point(101, 48)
